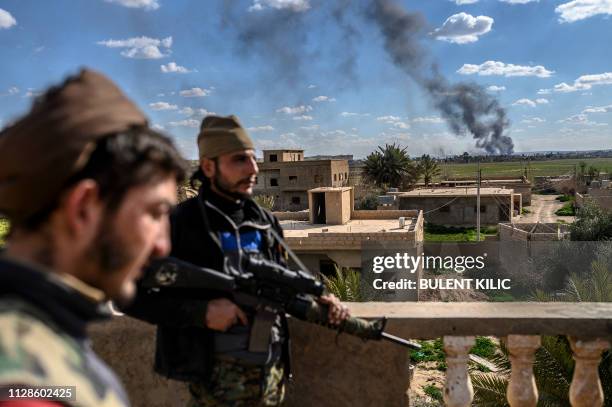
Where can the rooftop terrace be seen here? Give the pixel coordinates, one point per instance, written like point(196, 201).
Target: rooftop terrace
point(446, 192)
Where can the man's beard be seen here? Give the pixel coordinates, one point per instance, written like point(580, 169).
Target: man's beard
point(110, 254)
point(226, 188)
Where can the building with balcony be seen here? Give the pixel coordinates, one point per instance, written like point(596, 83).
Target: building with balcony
point(287, 176)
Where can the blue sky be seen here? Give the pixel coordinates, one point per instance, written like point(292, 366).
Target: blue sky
point(315, 74)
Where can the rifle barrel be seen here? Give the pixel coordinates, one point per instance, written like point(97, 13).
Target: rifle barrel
point(404, 342)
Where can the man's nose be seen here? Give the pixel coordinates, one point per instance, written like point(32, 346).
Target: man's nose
point(253, 168)
point(162, 244)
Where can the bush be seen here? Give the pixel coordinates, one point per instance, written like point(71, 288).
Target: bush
point(564, 198)
point(433, 392)
point(567, 210)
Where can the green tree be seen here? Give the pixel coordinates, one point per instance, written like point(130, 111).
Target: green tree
point(345, 284)
point(592, 223)
point(428, 168)
point(390, 166)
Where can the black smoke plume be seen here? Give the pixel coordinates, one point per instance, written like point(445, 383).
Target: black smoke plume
point(466, 107)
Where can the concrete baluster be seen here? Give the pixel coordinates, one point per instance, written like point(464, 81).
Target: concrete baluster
point(585, 390)
point(458, 390)
point(522, 390)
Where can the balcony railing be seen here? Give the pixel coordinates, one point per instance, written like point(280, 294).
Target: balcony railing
point(587, 325)
point(345, 371)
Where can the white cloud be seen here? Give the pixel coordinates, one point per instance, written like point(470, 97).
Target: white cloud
point(141, 47)
point(518, 1)
point(311, 86)
point(198, 112)
point(581, 119)
point(6, 19)
point(162, 106)
point(580, 9)
point(13, 90)
point(348, 114)
point(193, 123)
point(302, 117)
point(429, 119)
point(532, 120)
point(529, 102)
point(323, 99)
point(544, 91)
point(462, 2)
point(388, 119)
point(260, 128)
point(502, 69)
point(158, 127)
point(194, 93)
point(310, 128)
point(145, 4)
point(294, 110)
point(585, 82)
point(463, 28)
point(32, 93)
point(598, 109)
point(293, 5)
point(394, 121)
point(401, 125)
point(495, 88)
point(172, 67)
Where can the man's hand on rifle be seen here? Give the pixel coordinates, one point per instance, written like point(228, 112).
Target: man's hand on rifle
point(338, 312)
point(221, 314)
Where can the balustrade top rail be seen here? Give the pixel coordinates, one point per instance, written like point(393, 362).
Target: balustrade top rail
point(427, 320)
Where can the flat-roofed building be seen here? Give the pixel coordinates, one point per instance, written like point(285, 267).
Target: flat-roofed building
point(457, 206)
point(332, 234)
point(285, 175)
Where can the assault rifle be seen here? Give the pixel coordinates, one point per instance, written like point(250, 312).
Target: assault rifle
point(264, 285)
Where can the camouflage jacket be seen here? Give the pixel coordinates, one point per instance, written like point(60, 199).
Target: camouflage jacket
point(43, 341)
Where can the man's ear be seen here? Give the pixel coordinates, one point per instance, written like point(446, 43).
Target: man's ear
point(208, 167)
point(82, 208)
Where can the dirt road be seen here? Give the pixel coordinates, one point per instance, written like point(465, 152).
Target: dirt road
point(543, 209)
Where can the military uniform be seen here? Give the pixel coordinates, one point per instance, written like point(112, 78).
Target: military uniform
point(43, 341)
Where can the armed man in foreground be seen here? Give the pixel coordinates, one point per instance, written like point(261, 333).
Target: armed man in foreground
point(229, 355)
point(88, 188)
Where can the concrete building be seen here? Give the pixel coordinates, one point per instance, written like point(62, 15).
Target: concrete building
point(457, 206)
point(285, 175)
point(519, 185)
point(333, 234)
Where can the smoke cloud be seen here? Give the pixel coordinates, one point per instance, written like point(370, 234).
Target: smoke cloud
point(466, 107)
point(281, 37)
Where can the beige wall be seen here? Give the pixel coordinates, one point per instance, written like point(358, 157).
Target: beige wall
point(329, 370)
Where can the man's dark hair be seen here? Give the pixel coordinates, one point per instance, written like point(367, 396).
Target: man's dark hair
point(119, 162)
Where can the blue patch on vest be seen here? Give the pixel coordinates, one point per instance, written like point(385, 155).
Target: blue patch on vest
point(249, 241)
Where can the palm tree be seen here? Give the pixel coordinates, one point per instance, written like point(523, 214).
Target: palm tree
point(428, 168)
point(389, 166)
point(553, 366)
point(345, 284)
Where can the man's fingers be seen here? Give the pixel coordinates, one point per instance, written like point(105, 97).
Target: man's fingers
point(242, 316)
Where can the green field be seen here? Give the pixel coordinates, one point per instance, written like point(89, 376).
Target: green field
point(517, 168)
